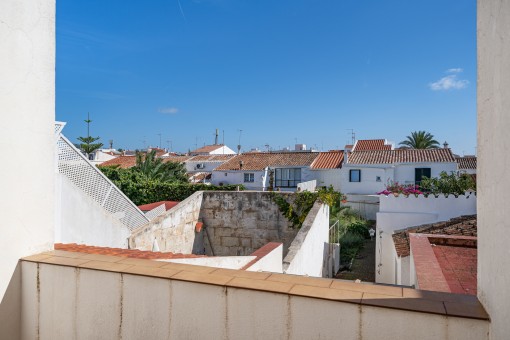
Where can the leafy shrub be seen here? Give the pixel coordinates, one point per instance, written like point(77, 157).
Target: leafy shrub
point(142, 190)
point(359, 227)
point(449, 184)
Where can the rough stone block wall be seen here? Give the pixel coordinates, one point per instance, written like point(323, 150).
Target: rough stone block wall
point(238, 223)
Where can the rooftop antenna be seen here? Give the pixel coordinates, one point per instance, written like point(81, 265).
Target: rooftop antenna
point(169, 144)
point(111, 143)
point(239, 145)
point(144, 141)
point(88, 121)
point(216, 137)
point(159, 134)
point(353, 136)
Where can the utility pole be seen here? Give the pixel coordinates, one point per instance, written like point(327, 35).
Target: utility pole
point(169, 145)
point(159, 146)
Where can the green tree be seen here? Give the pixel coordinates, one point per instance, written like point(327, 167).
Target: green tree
point(87, 144)
point(153, 168)
point(420, 140)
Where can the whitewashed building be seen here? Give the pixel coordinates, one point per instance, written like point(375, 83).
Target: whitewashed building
point(368, 171)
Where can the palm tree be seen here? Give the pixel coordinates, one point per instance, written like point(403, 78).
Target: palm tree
point(153, 168)
point(420, 140)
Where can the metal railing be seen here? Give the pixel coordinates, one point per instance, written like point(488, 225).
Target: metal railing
point(335, 232)
point(86, 176)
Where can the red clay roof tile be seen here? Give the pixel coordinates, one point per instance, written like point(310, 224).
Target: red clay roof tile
point(401, 156)
point(328, 160)
point(130, 253)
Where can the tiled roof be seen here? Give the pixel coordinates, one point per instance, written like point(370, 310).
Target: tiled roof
point(131, 253)
point(122, 161)
point(445, 263)
point(461, 226)
point(401, 156)
point(207, 148)
point(466, 162)
point(211, 158)
point(259, 161)
point(148, 207)
point(176, 159)
point(371, 144)
point(328, 160)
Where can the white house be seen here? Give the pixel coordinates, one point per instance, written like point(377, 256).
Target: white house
point(467, 165)
point(215, 149)
point(326, 169)
point(254, 170)
point(103, 155)
point(368, 172)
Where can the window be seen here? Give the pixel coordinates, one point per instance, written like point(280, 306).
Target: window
point(355, 175)
point(249, 177)
point(377, 178)
point(419, 173)
point(287, 178)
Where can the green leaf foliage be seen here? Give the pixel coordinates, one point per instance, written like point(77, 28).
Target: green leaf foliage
point(295, 207)
point(143, 190)
point(420, 140)
point(87, 144)
point(154, 169)
point(448, 184)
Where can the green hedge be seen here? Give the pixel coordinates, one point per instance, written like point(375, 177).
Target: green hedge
point(149, 192)
point(143, 191)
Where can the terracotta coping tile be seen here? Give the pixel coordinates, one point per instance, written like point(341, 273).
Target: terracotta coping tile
point(187, 267)
point(64, 261)
point(242, 273)
point(107, 266)
point(36, 258)
point(202, 277)
point(104, 258)
point(264, 285)
point(303, 280)
point(474, 311)
point(150, 271)
point(326, 293)
point(416, 304)
point(368, 288)
point(439, 296)
point(142, 262)
point(64, 253)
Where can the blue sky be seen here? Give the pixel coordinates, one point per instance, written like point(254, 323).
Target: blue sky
point(280, 71)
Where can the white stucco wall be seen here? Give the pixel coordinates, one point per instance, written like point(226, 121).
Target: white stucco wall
point(27, 106)
point(328, 177)
point(402, 173)
point(237, 177)
point(306, 253)
point(368, 184)
point(271, 262)
point(80, 219)
point(366, 205)
point(307, 186)
point(493, 162)
point(224, 150)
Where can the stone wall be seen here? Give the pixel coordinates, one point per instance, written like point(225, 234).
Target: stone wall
point(173, 231)
point(238, 223)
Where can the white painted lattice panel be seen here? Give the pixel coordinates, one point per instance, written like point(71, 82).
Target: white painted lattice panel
point(158, 211)
point(75, 166)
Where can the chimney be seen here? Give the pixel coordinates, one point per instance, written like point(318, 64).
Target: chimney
point(445, 145)
point(241, 163)
point(346, 156)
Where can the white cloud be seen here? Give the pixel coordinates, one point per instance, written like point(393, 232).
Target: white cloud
point(454, 70)
point(168, 110)
point(450, 82)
